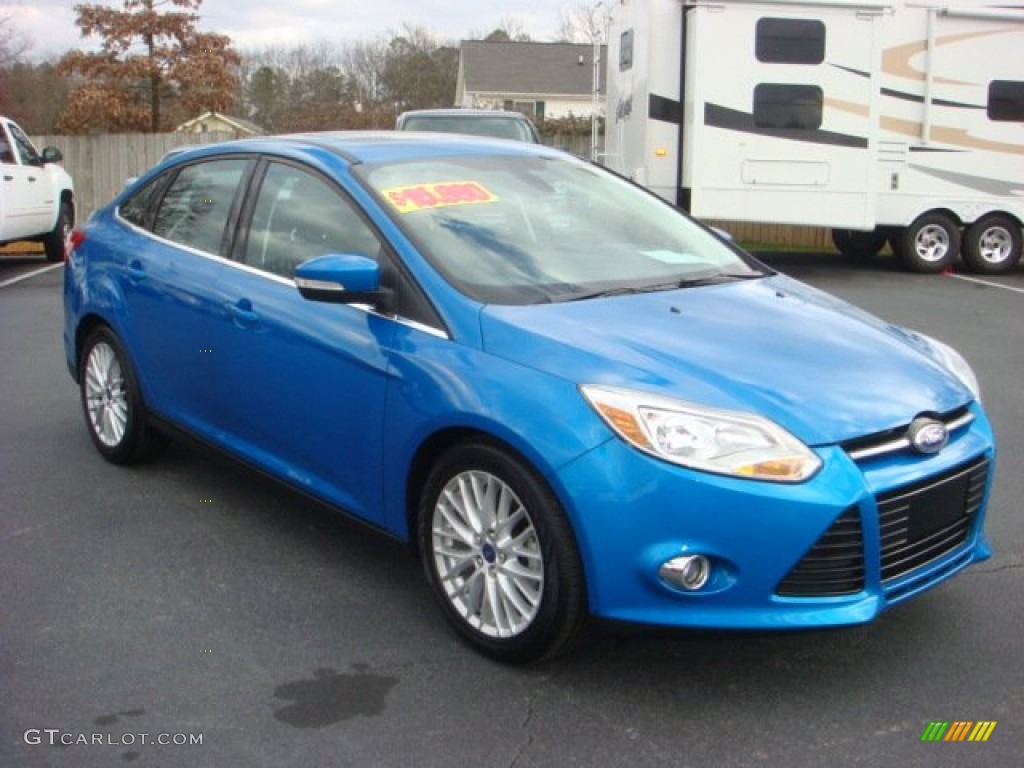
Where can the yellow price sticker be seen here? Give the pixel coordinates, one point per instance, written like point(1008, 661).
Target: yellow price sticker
point(420, 197)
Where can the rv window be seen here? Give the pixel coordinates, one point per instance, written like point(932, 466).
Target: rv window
point(790, 41)
point(779, 105)
point(1006, 101)
point(626, 51)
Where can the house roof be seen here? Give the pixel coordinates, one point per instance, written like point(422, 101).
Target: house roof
point(542, 68)
point(237, 123)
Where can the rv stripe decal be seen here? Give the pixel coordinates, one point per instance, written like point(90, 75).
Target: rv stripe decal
point(851, 70)
point(891, 92)
point(717, 116)
point(937, 102)
point(987, 186)
point(666, 110)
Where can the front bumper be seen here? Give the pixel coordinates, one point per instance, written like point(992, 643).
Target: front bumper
point(632, 513)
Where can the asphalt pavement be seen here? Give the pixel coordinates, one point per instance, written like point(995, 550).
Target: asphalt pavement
point(144, 610)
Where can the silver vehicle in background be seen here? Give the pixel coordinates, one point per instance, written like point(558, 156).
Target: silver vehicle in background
point(495, 123)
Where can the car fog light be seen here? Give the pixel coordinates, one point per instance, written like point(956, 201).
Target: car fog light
point(689, 572)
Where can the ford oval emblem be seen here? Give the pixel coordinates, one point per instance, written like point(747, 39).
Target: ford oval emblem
point(927, 435)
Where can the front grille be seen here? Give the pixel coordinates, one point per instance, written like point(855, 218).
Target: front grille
point(917, 524)
point(897, 441)
point(924, 521)
point(833, 566)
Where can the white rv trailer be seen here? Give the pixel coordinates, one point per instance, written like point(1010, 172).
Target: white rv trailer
point(881, 119)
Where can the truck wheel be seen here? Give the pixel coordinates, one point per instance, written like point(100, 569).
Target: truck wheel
point(930, 244)
point(500, 555)
point(992, 244)
point(858, 244)
point(55, 242)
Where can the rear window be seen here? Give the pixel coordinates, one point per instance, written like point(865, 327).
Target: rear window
point(502, 127)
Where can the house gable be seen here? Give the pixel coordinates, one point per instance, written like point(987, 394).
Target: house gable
point(557, 76)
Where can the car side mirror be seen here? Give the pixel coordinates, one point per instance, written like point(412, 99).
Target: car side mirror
point(52, 155)
point(343, 278)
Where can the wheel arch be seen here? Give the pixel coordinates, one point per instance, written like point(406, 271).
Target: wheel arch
point(437, 443)
point(999, 212)
point(86, 325)
point(938, 211)
point(68, 196)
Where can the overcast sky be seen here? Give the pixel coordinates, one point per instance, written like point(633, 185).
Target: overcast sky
point(257, 23)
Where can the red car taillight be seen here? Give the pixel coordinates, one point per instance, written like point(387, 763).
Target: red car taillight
point(75, 239)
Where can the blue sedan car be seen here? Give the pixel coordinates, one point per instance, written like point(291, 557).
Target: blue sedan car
point(570, 398)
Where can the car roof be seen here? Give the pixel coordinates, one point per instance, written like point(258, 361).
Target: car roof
point(373, 146)
point(460, 111)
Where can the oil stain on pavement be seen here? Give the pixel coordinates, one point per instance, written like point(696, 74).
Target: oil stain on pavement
point(329, 698)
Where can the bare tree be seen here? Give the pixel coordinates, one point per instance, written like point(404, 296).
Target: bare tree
point(14, 43)
point(510, 29)
point(364, 62)
point(584, 22)
point(419, 71)
point(34, 95)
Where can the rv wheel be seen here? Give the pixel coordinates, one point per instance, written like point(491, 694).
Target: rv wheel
point(992, 245)
point(857, 244)
point(930, 244)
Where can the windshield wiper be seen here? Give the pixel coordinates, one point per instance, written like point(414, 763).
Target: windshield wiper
point(718, 277)
point(619, 290)
point(704, 278)
point(700, 279)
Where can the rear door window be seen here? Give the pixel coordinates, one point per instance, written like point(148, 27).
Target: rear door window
point(195, 209)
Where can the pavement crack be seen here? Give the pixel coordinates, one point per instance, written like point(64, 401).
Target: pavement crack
point(531, 700)
point(33, 528)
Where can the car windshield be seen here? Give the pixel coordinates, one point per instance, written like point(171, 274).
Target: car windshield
point(501, 127)
point(521, 230)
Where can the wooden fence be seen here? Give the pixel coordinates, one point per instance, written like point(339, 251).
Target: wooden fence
point(100, 166)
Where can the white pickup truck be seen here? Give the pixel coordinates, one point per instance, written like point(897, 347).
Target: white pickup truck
point(37, 196)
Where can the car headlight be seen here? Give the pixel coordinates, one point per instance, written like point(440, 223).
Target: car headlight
point(707, 439)
point(955, 363)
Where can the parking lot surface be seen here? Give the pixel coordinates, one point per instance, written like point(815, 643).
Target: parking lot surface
point(145, 609)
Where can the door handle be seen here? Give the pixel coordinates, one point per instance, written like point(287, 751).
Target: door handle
point(8, 178)
point(135, 270)
point(243, 312)
point(32, 178)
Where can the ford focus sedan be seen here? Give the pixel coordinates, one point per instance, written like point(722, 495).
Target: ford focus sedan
point(572, 400)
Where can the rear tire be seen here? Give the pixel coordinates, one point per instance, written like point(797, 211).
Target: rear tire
point(992, 245)
point(929, 245)
point(55, 243)
point(112, 403)
point(500, 555)
point(857, 244)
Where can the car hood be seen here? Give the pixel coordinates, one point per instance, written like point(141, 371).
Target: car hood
point(817, 366)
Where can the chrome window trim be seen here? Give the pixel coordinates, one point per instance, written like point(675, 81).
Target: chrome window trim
point(290, 282)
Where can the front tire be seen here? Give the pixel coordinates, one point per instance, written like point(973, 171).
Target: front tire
point(992, 245)
point(55, 243)
point(112, 403)
point(500, 555)
point(931, 244)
